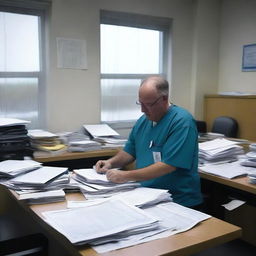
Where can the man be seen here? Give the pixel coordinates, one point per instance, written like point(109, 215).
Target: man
point(164, 144)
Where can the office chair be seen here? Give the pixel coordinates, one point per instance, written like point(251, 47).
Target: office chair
point(225, 125)
point(201, 126)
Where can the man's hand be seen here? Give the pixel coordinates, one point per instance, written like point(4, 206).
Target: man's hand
point(117, 176)
point(102, 166)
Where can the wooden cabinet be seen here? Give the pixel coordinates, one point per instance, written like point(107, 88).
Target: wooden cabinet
point(241, 108)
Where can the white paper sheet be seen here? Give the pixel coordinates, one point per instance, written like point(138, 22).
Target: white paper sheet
point(98, 130)
point(72, 53)
point(82, 225)
point(227, 170)
point(39, 176)
point(174, 219)
point(38, 134)
point(144, 197)
point(233, 204)
point(12, 121)
point(12, 168)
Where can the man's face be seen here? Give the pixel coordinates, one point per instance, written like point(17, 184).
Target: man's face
point(152, 104)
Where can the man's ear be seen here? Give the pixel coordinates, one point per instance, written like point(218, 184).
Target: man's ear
point(165, 97)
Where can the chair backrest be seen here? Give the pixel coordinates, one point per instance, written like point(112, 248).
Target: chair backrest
point(201, 126)
point(225, 125)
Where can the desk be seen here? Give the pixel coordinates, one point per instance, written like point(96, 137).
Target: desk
point(207, 234)
point(237, 183)
point(219, 190)
point(76, 160)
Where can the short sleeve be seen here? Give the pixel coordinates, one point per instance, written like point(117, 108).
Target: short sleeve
point(130, 144)
point(180, 146)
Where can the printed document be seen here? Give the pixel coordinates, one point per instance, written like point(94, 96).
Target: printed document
point(39, 176)
point(86, 224)
point(227, 170)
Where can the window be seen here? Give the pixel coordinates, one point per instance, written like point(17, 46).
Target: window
point(132, 48)
point(21, 65)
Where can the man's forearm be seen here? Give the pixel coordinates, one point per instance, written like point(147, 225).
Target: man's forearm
point(121, 159)
point(150, 172)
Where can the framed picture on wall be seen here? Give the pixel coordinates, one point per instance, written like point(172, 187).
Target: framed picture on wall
point(249, 57)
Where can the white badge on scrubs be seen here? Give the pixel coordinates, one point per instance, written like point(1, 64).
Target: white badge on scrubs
point(157, 156)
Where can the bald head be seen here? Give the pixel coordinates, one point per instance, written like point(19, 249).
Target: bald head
point(153, 97)
point(156, 84)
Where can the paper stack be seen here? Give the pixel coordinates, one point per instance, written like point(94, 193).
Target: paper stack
point(141, 197)
point(219, 150)
point(12, 168)
point(43, 197)
point(104, 134)
point(28, 178)
point(227, 170)
point(173, 218)
point(66, 137)
point(102, 222)
point(43, 178)
point(83, 146)
point(250, 157)
point(79, 142)
point(209, 136)
point(46, 142)
point(250, 160)
point(14, 141)
point(106, 231)
point(144, 197)
point(97, 185)
point(252, 178)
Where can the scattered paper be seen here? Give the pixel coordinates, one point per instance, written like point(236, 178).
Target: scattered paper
point(233, 204)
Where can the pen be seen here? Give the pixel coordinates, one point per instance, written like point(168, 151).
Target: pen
point(151, 144)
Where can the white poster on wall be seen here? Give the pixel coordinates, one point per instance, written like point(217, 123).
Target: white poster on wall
point(71, 53)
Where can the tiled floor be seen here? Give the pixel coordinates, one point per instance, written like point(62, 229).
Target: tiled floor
point(233, 248)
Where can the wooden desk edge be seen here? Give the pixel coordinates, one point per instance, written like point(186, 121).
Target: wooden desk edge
point(77, 155)
point(232, 232)
point(238, 183)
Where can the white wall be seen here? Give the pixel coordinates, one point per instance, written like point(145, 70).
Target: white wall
point(202, 32)
point(205, 53)
point(238, 26)
point(73, 96)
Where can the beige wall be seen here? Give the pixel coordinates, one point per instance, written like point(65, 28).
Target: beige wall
point(207, 39)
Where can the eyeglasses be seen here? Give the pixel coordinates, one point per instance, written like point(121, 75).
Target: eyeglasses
point(148, 105)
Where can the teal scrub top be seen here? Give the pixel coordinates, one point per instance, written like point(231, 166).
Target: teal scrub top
point(173, 141)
